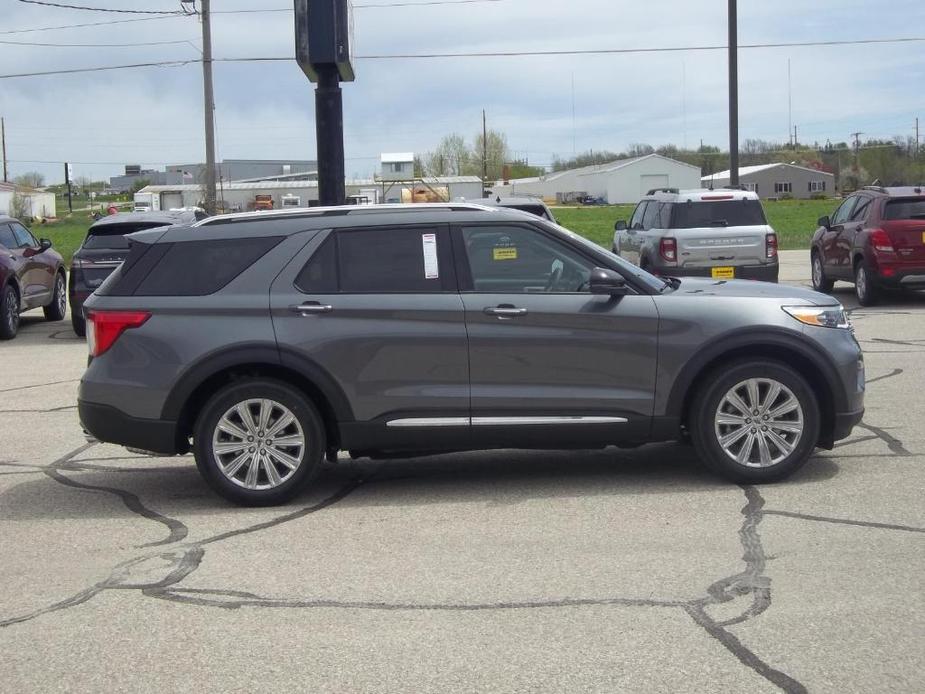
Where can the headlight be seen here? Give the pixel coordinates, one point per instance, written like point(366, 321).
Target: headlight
point(820, 316)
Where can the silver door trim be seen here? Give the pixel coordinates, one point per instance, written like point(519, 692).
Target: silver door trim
point(533, 421)
point(429, 422)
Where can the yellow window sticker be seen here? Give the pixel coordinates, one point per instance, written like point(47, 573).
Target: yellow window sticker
point(509, 253)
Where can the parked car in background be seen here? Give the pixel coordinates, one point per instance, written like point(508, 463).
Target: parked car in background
point(721, 234)
point(104, 249)
point(31, 276)
point(876, 239)
point(410, 329)
point(534, 206)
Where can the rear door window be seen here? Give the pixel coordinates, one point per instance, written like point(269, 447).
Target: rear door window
point(638, 214)
point(7, 240)
point(651, 217)
point(904, 209)
point(396, 260)
point(859, 214)
point(717, 213)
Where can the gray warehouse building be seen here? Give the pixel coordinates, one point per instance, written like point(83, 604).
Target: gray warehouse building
point(778, 180)
point(227, 170)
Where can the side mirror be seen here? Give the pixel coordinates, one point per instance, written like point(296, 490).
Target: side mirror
point(825, 222)
point(620, 226)
point(603, 281)
point(44, 245)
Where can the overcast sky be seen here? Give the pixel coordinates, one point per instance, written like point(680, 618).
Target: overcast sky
point(153, 116)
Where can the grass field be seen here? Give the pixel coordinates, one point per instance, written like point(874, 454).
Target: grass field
point(793, 220)
point(66, 233)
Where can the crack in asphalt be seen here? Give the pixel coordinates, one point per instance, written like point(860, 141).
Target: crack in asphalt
point(893, 443)
point(846, 521)
point(894, 372)
point(38, 385)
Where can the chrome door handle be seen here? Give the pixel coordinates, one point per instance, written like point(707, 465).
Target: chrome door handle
point(310, 308)
point(506, 311)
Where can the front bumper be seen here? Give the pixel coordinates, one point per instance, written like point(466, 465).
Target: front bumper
point(110, 425)
point(761, 273)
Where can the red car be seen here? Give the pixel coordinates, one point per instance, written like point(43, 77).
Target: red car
point(31, 276)
point(876, 239)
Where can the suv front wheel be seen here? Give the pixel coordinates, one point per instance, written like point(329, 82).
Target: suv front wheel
point(756, 421)
point(259, 442)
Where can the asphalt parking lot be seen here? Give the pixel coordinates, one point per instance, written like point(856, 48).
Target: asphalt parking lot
point(505, 571)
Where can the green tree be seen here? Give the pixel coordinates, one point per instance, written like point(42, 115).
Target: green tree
point(139, 184)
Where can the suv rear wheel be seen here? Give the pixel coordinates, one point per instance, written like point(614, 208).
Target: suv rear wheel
point(259, 442)
point(756, 421)
point(863, 284)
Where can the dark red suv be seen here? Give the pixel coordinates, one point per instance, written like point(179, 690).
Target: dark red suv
point(31, 276)
point(876, 239)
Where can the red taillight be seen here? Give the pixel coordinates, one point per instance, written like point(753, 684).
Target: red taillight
point(881, 241)
point(771, 245)
point(106, 326)
point(668, 249)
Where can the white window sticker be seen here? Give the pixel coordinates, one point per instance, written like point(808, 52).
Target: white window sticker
point(431, 266)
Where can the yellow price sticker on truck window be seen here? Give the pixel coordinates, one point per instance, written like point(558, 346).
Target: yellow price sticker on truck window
point(509, 253)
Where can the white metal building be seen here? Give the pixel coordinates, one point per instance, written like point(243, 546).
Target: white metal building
point(622, 181)
point(241, 195)
point(36, 203)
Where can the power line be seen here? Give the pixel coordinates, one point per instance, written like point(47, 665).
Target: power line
point(163, 63)
point(95, 45)
point(99, 9)
point(364, 6)
point(89, 24)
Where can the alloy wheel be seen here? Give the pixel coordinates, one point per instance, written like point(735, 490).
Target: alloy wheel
point(860, 283)
point(11, 312)
point(258, 444)
point(61, 295)
point(817, 271)
point(759, 422)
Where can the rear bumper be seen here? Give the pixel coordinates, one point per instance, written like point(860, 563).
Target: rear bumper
point(110, 425)
point(761, 273)
point(845, 423)
point(913, 278)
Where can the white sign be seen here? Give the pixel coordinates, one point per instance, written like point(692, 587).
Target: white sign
point(431, 266)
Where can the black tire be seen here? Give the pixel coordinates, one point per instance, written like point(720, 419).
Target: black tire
point(9, 313)
point(57, 309)
point(706, 432)
point(864, 287)
point(821, 283)
point(310, 455)
point(79, 323)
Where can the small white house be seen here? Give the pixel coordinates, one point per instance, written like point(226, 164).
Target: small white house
point(397, 166)
point(621, 181)
point(36, 203)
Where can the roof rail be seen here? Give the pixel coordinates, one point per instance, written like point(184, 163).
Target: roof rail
point(878, 189)
point(342, 210)
point(674, 191)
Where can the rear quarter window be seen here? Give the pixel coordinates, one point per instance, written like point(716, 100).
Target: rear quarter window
point(198, 268)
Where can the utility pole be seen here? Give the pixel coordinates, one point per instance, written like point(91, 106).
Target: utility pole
point(484, 153)
point(3, 140)
point(857, 150)
point(789, 100)
point(795, 140)
point(733, 95)
point(916, 146)
point(209, 105)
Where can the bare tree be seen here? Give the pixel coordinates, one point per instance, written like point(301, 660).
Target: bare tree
point(450, 158)
point(30, 179)
point(494, 150)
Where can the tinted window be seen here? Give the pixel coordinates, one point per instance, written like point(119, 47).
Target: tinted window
point(905, 209)
point(6, 237)
point(24, 238)
point(861, 210)
point(519, 260)
point(538, 210)
point(112, 236)
point(651, 217)
point(197, 268)
point(320, 272)
point(636, 221)
point(718, 213)
point(391, 260)
point(844, 211)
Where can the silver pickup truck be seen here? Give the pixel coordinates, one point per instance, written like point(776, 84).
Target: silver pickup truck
point(702, 233)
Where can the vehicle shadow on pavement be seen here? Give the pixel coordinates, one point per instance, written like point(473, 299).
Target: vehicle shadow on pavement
point(495, 477)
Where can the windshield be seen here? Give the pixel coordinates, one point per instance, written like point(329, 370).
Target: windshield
point(905, 209)
point(718, 213)
point(112, 236)
point(626, 268)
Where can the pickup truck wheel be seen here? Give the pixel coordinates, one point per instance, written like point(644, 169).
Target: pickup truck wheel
point(755, 421)
point(57, 309)
point(259, 442)
point(821, 283)
point(9, 313)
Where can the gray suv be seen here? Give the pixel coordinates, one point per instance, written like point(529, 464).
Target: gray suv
point(264, 342)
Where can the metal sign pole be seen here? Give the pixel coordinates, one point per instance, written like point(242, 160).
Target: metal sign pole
point(329, 131)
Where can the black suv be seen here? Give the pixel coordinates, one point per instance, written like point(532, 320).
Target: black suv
point(265, 341)
point(104, 249)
